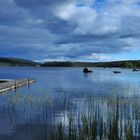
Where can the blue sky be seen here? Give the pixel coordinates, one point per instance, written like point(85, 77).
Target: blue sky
point(70, 30)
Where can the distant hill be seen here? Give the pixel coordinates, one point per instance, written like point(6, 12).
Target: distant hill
point(24, 62)
point(123, 64)
point(17, 62)
point(67, 64)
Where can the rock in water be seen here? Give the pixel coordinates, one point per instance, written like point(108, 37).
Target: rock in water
point(136, 69)
point(117, 72)
point(86, 70)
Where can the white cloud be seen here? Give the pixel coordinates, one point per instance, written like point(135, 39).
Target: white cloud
point(83, 17)
point(70, 30)
point(87, 58)
point(97, 57)
point(89, 21)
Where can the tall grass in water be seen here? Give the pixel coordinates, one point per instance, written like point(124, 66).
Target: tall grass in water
point(119, 121)
point(69, 119)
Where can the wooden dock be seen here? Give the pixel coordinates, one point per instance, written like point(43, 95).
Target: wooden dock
point(13, 84)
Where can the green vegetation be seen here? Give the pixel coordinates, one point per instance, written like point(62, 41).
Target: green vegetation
point(122, 64)
point(103, 118)
point(17, 62)
point(68, 64)
point(24, 62)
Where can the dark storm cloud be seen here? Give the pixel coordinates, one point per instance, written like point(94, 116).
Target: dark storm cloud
point(84, 38)
point(10, 13)
point(67, 29)
point(37, 3)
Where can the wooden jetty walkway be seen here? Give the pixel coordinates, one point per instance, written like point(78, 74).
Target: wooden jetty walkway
point(6, 85)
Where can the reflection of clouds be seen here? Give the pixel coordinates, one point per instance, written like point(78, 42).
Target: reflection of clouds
point(74, 82)
point(104, 80)
point(71, 82)
point(130, 89)
point(101, 74)
point(101, 82)
point(103, 106)
point(62, 117)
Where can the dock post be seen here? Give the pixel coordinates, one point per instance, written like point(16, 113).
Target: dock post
point(15, 85)
point(28, 83)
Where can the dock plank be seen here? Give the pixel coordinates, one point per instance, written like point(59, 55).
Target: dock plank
point(13, 84)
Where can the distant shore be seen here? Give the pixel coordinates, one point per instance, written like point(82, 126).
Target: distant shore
point(17, 62)
point(113, 64)
point(121, 64)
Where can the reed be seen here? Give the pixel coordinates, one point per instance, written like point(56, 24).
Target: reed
point(61, 119)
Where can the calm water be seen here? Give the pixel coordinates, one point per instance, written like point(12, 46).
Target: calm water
point(59, 90)
point(72, 81)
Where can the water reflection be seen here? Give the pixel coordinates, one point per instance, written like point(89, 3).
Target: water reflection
point(38, 117)
point(66, 104)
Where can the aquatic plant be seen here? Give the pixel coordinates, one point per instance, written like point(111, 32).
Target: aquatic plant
point(61, 118)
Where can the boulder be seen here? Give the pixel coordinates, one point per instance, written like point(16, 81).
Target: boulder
point(136, 69)
point(87, 70)
point(117, 72)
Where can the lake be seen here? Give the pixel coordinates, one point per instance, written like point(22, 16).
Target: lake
point(60, 92)
point(101, 82)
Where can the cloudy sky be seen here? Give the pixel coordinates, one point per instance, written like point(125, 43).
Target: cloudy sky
point(75, 30)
